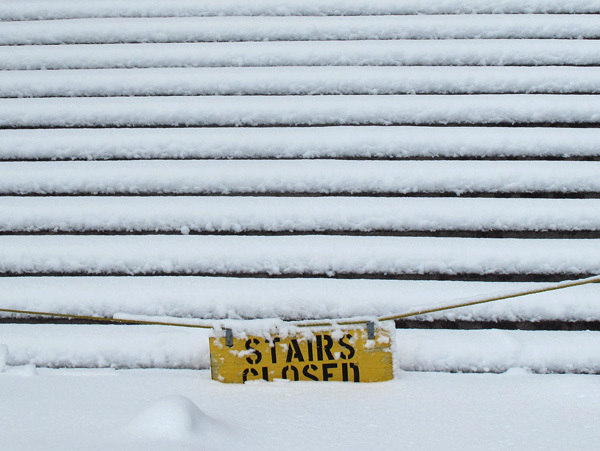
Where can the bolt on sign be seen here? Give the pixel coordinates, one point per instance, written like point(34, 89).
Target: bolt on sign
point(357, 354)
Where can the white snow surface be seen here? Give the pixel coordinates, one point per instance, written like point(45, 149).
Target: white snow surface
point(217, 298)
point(299, 81)
point(298, 214)
point(454, 52)
point(306, 255)
point(344, 141)
point(301, 176)
point(298, 110)
point(417, 350)
point(194, 29)
point(74, 409)
point(58, 9)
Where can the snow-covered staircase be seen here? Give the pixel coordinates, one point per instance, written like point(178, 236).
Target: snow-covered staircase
point(301, 159)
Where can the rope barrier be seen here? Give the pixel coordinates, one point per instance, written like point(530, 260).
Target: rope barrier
point(326, 323)
point(559, 286)
point(105, 319)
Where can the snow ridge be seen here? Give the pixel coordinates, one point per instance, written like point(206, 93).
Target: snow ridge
point(58, 9)
point(450, 52)
point(105, 31)
point(296, 214)
point(300, 81)
point(299, 111)
point(323, 142)
point(292, 256)
point(226, 177)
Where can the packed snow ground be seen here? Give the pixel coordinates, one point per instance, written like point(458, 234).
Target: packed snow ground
point(450, 52)
point(184, 410)
point(322, 142)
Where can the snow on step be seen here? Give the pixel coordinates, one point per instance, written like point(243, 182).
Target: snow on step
point(264, 142)
point(214, 297)
point(301, 176)
point(280, 214)
point(299, 81)
point(198, 29)
point(58, 9)
point(105, 346)
point(298, 110)
point(417, 350)
point(453, 52)
point(303, 255)
point(498, 350)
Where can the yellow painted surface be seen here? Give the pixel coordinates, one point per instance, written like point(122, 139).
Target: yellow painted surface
point(344, 354)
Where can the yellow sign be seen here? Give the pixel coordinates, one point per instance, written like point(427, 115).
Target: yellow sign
point(343, 354)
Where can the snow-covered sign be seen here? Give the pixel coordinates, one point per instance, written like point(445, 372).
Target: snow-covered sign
point(347, 354)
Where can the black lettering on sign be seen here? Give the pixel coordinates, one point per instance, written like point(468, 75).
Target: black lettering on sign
point(319, 348)
point(257, 356)
point(294, 370)
point(345, 372)
point(265, 373)
point(246, 371)
point(310, 351)
point(311, 376)
point(328, 346)
point(326, 368)
point(347, 346)
point(274, 349)
point(294, 352)
point(354, 366)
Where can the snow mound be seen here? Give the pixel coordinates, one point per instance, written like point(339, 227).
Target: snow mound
point(171, 418)
point(3, 356)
